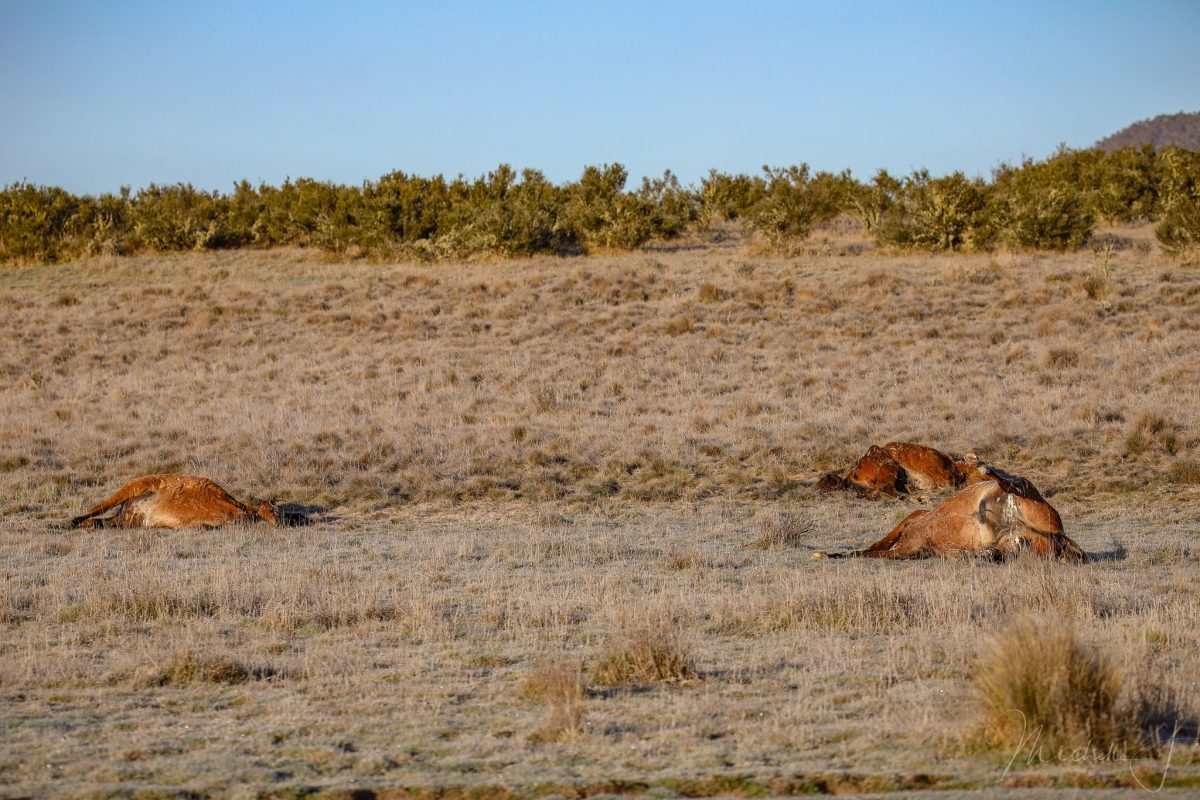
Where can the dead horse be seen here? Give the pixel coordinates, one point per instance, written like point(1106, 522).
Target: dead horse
point(173, 501)
point(997, 517)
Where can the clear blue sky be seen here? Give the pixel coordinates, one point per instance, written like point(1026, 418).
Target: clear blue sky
point(98, 94)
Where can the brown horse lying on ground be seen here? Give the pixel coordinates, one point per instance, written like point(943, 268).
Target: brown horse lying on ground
point(997, 517)
point(173, 501)
point(900, 468)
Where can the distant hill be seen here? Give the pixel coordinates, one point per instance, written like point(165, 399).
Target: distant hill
point(1181, 130)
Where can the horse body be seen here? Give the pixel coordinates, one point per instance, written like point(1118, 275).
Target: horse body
point(899, 469)
point(997, 517)
point(172, 501)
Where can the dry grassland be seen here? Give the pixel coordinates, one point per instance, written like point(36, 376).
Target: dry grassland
point(562, 513)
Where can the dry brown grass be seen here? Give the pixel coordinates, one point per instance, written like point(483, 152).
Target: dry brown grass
point(784, 527)
point(559, 686)
point(623, 378)
point(506, 460)
point(645, 655)
point(189, 667)
point(1043, 690)
point(399, 649)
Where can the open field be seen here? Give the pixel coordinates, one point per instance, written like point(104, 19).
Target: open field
point(516, 469)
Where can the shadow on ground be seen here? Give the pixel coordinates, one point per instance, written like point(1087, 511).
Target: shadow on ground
point(295, 515)
point(1117, 552)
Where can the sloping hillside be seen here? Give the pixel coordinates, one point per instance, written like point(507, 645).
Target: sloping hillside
point(1181, 130)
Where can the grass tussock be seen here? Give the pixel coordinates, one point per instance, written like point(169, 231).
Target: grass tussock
point(1184, 471)
point(1048, 696)
point(188, 667)
point(558, 685)
point(783, 527)
point(1152, 434)
point(642, 656)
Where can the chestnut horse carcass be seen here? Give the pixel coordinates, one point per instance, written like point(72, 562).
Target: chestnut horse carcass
point(173, 501)
point(901, 468)
point(998, 517)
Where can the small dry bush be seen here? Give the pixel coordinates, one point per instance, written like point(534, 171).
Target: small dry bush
point(558, 685)
point(1098, 282)
point(645, 656)
point(1049, 695)
point(1096, 285)
point(784, 527)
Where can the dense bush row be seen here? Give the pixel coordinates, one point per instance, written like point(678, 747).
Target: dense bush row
point(1052, 204)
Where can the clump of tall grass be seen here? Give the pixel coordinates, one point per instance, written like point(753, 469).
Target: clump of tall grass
point(1051, 697)
point(188, 667)
point(783, 527)
point(645, 655)
point(1152, 433)
point(1184, 471)
point(559, 686)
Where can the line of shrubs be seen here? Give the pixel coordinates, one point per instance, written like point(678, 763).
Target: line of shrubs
point(1052, 204)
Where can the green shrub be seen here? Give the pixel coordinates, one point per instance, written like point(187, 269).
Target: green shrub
point(1037, 210)
point(795, 201)
point(1177, 178)
point(871, 202)
point(329, 216)
point(1178, 230)
point(181, 217)
point(400, 208)
point(1051, 204)
point(499, 215)
point(726, 197)
point(599, 214)
point(32, 220)
point(1127, 191)
point(949, 213)
point(671, 209)
point(102, 226)
point(246, 212)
